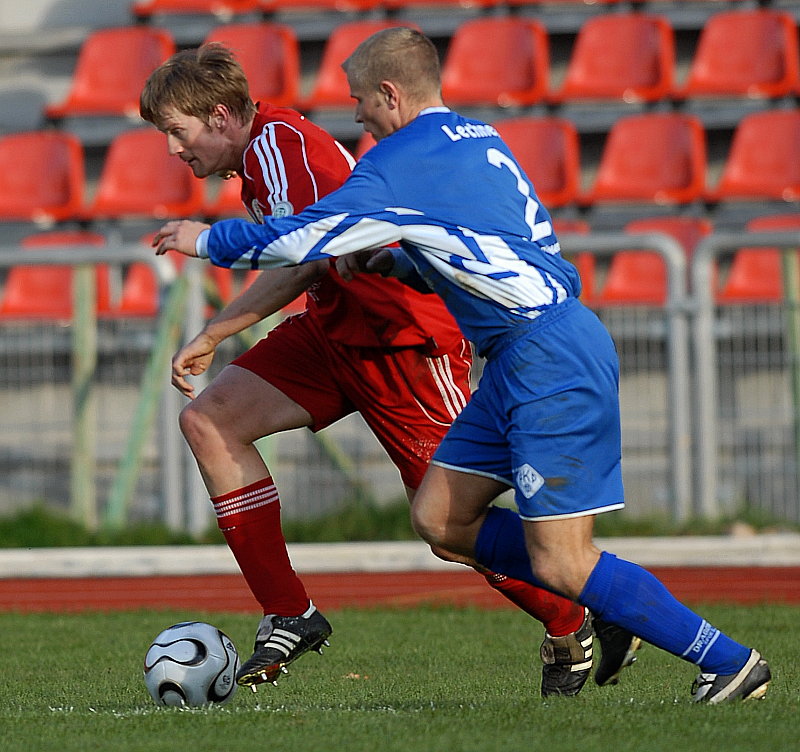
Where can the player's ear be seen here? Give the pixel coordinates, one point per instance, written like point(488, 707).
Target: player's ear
point(220, 116)
point(389, 93)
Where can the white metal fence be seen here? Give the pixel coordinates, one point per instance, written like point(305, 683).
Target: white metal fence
point(709, 396)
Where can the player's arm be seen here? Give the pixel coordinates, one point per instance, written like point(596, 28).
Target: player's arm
point(388, 262)
point(352, 218)
point(271, 291)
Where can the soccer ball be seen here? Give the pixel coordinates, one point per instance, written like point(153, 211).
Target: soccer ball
point(191, 664)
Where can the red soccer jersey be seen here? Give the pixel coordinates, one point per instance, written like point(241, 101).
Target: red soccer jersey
point(291, 163)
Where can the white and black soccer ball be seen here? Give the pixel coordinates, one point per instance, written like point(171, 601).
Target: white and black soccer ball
point(191, 664)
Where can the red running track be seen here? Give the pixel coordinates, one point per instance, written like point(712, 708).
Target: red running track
point(749, 585)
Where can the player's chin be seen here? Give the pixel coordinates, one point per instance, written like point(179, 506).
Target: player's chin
point(197, 169)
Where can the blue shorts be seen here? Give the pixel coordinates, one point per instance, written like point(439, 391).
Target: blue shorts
point(545, 418)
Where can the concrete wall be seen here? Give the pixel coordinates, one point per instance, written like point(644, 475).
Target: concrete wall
point(30, 15)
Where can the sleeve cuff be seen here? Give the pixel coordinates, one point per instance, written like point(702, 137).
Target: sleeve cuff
point(201, 244)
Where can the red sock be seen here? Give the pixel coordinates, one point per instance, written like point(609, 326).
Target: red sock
point(250, 520)
point(559, 615)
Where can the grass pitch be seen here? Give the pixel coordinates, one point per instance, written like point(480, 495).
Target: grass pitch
point(425, 680)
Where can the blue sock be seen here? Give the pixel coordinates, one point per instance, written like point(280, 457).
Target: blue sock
point(501, 546)
point(622, 593)
point(626, 595)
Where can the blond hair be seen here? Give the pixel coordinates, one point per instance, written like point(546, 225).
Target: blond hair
point(401, 55)
point(194, 81)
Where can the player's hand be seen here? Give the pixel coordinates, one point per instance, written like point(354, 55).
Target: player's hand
point(376, 261)
point(192, 359)
point(178, 235)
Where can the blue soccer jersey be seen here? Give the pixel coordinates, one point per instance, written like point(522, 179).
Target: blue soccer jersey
point(450, 191)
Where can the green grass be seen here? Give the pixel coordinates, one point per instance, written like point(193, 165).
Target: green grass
point(40, 526)
point(422, 680)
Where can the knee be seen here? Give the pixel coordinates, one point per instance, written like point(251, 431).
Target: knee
point(196, 425)
point(424, 524)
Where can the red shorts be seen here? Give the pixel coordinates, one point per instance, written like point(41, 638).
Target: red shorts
point(406, 397)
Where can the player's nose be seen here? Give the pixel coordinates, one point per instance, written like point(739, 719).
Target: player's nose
point(173, 146)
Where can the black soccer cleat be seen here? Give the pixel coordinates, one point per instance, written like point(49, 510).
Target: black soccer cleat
point(750, 682)
point(280, 640)
point(617, 651)
point(567, 661)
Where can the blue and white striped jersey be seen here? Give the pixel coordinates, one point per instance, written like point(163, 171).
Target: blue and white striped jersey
point(450, 191)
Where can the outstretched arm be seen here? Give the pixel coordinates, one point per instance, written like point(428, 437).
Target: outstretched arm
point(269, 293)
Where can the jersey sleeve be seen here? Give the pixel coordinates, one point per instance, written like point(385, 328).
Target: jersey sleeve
point(279, 172)
point(352, 218)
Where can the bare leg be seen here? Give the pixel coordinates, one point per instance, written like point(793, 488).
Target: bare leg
point(222, 423)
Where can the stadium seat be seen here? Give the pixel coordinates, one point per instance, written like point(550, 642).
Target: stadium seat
point(640, 277)
point(112, 67)
point(315, 6)
point(42, 177)
point(687, 231)
point(496, 61)
point(763, 61)
point(626, 56)
point(270, 56)
point(549, 152)
point(393, 5)
point(140, 179)
point(140, 293)
point(756, 275)
point(764, 159)
point(330, 89)
point(653, 157)
point(223, 9)
point(44, 291)
point(565, 3)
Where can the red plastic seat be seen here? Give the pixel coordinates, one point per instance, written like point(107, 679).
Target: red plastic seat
point(640, 277)
point(496, 61)
point(524, 3)
point(45, 291)
point(314, 6)
point(330, 87)
point(140, 293)
point(413, 4)
point(756, 275)
point(764, 158)
point(220, 8)
point(140, 179)
point(42, 176)
point(655, 157)
point(112, 67)
point(751, 53)
point(628, 56)
point(548, 150)
point(270, 56)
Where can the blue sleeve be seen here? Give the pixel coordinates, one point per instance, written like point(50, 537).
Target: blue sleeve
point(352, 218)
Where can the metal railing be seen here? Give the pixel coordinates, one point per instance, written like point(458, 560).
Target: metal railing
point(689, 448)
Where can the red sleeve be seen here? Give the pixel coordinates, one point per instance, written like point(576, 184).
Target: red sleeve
point(287, 167)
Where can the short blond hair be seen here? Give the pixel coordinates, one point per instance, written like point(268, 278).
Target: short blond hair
point(401, 55)
point(194, 81)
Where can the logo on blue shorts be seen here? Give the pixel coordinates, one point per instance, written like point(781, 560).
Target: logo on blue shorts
point(528, 480)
